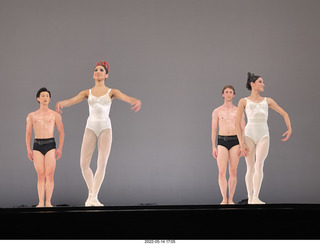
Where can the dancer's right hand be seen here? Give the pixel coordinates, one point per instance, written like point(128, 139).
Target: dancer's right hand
point(59, 107)
point(30, 155)
point(215, 152)
point(244, 150)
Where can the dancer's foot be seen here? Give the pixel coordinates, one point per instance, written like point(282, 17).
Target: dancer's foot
point(95, 202)
point(48, 205)
point(256, 200)
point(230, 201)
point(88, 202)
point(40, 205)
point(224, 202)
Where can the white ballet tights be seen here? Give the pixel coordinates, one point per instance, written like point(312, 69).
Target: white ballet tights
point(88, 146)
point(255, 161)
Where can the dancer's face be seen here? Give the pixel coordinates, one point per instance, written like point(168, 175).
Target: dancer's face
point(44, 98)
point(228, 94)
point(258, 85)
point(99, 73)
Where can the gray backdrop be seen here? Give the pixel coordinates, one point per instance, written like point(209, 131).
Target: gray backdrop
point(174, 55)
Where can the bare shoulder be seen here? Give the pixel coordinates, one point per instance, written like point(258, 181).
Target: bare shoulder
point(55, 114)
point(84, 93)
point(242, 103)
point(114, 91)
point(30, 115)
point(216, 110)
point(270, 101)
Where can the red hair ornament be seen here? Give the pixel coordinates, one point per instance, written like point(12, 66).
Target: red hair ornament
point(104, 64)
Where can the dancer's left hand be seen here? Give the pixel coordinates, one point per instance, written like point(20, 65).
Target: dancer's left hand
point(58, 153)
point(240, 153)
point(244, 150)
point(136, 105)
point(287, 135)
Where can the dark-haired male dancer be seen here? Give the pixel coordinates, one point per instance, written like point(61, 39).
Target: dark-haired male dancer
point(44, 152)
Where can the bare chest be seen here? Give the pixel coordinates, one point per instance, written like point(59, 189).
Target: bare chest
point(43, 120)
point(227, 115)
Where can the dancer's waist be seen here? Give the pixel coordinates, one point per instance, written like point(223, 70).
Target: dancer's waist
point(228, 138)
point(99, 118)
point(44, 141)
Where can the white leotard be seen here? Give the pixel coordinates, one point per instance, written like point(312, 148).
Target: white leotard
point(257, 115)
point(99, 109)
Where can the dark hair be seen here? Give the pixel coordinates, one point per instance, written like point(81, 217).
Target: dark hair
point(43, 89)
point(230, 87)
point(104, 64)
point(105, 68)
point(251, 78)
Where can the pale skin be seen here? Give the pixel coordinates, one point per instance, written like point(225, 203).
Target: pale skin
point(248, 148)
point(43, 122)
point(224, 118)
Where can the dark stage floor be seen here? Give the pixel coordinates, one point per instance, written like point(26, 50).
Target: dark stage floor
point(270, 221)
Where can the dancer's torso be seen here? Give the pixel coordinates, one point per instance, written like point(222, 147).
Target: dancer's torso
point(227, 119)
point(99, 109)
point(257, 116)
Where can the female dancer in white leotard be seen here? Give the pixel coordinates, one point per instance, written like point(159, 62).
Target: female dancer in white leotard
point(98, 127)
point(255, 144)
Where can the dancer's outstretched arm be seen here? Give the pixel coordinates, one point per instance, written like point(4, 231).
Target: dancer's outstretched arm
point(72, 101)
point(135, 103)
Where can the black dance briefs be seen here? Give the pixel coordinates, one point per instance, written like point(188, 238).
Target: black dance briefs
point(44, 145)
point(228, 141)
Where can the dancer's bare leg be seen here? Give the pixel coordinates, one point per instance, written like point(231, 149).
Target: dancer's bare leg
point(222, 161)
point(50, 166)
point(38, 161)
point(250, 160)
point(262, 149)
point(233, 166)
point(104, 147)
point(87, 149)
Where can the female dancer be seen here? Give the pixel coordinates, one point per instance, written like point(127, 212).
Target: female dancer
point(255, 146)
point(98, 127)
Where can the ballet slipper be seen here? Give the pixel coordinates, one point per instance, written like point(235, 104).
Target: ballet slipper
point(95, 202)
point(256, 200)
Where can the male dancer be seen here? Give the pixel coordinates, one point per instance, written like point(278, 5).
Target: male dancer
point(228, 144)
point(44, 152)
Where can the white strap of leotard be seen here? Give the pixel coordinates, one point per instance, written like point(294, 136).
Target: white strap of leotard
point(89, 91)
point(109, 91)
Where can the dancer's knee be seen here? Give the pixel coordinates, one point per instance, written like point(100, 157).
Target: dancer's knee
point(259, 166)
point(250, 172)
point(222, 173)
point(84, 164)
point(49, 176)
point(233, 173)
point(41, 177)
